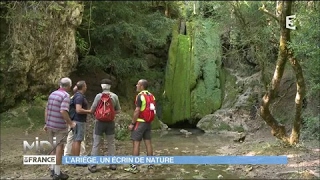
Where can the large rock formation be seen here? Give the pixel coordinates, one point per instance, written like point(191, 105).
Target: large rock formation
point(239, 108)
point(41, 48)
point(192, 82)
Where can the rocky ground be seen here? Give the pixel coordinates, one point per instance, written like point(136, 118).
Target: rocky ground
point(303, 160)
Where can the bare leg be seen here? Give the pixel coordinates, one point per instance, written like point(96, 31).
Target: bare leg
point(76, 148)
point(148, 147)
point(59, 153)
point(136, 148)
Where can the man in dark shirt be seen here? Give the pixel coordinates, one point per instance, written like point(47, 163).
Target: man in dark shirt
point(80, 118)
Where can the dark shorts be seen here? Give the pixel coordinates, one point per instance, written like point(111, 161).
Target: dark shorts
point(104, 127)
point(141, 131)
point(79, 131)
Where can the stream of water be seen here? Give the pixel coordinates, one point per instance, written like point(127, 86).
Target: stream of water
point(174, 142)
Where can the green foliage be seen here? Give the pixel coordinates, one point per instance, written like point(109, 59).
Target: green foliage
point(250, 36)
point(122, 134)
point(156, 124)
point(82, 45)
point(305, 44)
point(120, 34)
point(25, 115)
point(39, 99)
point(311, 127)
point(36, 115)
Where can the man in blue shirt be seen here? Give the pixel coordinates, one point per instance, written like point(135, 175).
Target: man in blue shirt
point(80, 118)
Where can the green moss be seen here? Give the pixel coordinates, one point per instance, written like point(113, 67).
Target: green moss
point(207, 95)
point(238, 129)
point(177, 93)
point(224, 126)
point(203, 101)
point(192, 81)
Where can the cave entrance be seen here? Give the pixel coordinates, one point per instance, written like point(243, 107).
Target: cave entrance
point(186, 124)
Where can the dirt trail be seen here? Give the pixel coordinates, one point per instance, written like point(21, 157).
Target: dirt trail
point(303, 161)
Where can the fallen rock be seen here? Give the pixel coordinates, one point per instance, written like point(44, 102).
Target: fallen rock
point(224, 120)
point(240, 138)
point(185, 132)
point(248, 168)
point(163, 126)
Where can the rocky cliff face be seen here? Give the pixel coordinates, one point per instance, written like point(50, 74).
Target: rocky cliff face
point(193, 74)
point(240, 105)
point(42, 48)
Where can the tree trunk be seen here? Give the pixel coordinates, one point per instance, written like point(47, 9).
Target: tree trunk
point(301, 89)
point(278, 130)
point(166, 12)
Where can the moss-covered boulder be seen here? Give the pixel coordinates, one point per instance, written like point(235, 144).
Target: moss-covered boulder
point(192, 81)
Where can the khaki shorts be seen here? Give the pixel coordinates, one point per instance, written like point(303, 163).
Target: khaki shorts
point(61, 135)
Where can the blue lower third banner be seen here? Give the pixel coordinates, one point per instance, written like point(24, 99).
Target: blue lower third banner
point(266, 160)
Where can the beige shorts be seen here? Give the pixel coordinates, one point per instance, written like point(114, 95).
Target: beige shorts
point(61, 135)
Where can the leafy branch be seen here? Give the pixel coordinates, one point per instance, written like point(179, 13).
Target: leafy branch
point(263, 9)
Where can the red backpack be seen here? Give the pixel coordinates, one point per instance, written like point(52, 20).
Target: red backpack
point(149, 112)
point(105, 110)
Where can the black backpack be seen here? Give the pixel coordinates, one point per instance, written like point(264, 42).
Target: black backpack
point(72, 107)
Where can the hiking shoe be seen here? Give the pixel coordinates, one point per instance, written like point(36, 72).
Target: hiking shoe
point(51, 173)
point(92, 169)
point(113, 167)
point(150, 166)
point(61, 176)
point(131, 169)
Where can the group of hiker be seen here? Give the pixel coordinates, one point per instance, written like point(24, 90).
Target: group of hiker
point(66, 117)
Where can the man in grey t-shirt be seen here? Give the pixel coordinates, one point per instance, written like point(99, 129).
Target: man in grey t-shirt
point(107, 128)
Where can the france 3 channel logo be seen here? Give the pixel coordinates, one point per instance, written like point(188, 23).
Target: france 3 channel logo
point(39, 159)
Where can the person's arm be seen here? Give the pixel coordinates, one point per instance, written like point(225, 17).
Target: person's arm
point(66, 117)
point(137, 110)
point(95, 103)
point(117, 106)
point(45, 118)
point(78, 100)
point(64, 109)
point(45, 114)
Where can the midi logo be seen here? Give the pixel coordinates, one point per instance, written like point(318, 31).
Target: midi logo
point(38, 144)
point(38, 159)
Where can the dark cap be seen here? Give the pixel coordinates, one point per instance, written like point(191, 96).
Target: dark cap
point(106, 81)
